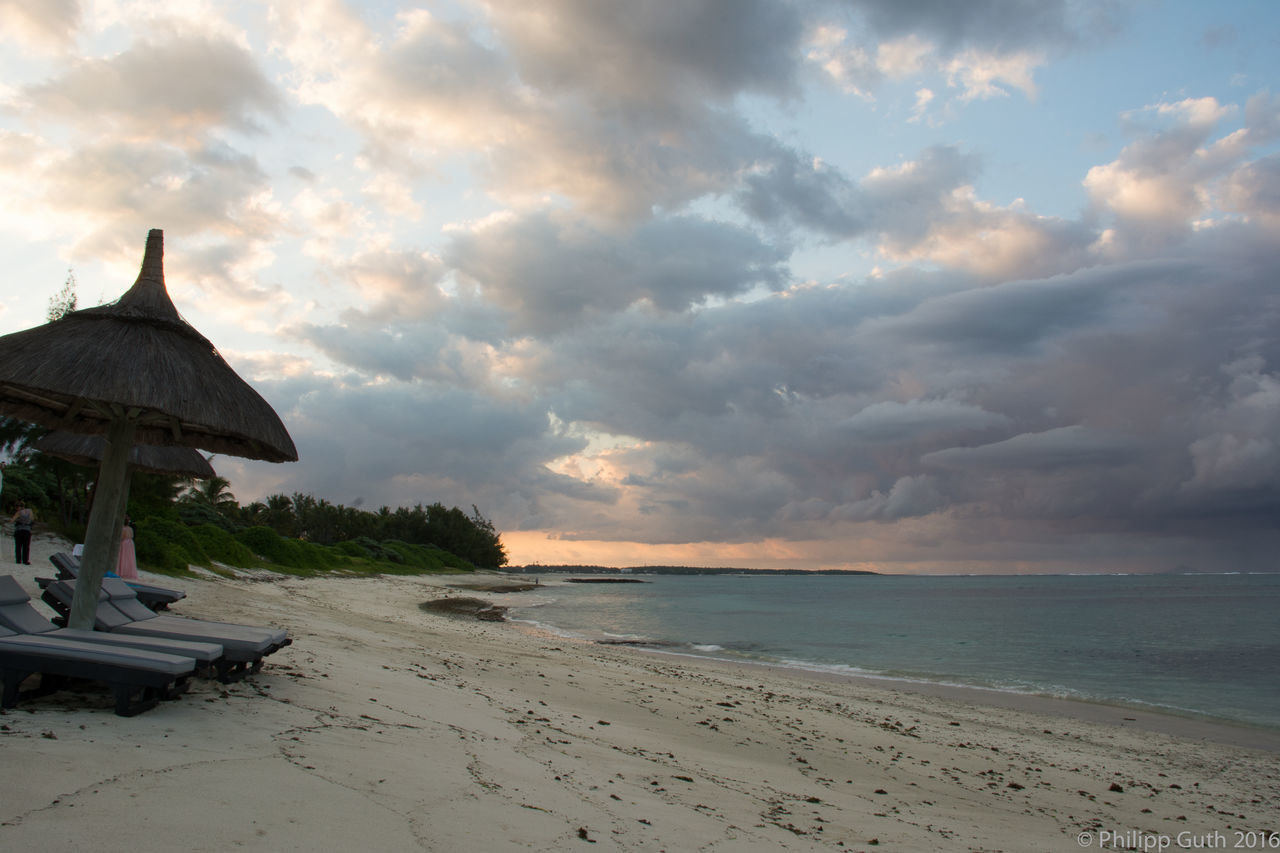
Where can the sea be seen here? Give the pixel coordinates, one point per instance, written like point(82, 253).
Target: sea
point(1196, 645)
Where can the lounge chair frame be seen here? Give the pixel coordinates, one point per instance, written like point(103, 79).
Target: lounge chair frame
point(138, 680)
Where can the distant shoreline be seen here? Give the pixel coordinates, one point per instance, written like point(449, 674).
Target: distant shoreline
point(714, 570)
point(673, 570)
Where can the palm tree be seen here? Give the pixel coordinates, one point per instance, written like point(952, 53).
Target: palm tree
point(214, 492)
point(280, 516)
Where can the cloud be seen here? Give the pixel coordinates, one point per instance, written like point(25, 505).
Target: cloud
point(652, 57)
point(909, 497)
point(1177, 177)
point(550, 273)
point(46, 26)
point(994, 24)
point(896, 200)
point(1236, 458)
point(1019, 316)
point(535, 109)
point(1062, 448)
point(1253, 191)
point(167, 89)
point(980, 50)
point(901, 422)
point(985, 75)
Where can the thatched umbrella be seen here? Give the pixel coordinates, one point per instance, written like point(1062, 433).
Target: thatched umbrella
point(136, 372)
point(89, 450)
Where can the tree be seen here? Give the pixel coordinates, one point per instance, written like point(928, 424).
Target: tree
point(64, 301)
point(279, 515)
point(155, 494)
point(214, 492)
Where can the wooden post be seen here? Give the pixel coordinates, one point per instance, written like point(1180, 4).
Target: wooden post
point(118, 522)
point(102, 538)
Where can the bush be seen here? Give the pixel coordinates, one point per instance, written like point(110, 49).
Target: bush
point(369, 549)
point(172, 558)
point(427, 557)
point(289, 553)
point(167, 545)
point(351, 548)
point(222, 546)
point(195, 514)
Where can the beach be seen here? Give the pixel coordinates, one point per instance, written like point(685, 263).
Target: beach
point(384, 727)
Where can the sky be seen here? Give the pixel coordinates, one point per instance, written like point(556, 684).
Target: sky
point(862, 284)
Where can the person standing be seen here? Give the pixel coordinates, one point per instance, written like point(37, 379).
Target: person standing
point(23, 519)
point(127, 564)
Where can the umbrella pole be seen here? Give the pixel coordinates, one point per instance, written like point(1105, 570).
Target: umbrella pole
point(102, 540)
point(117, 524)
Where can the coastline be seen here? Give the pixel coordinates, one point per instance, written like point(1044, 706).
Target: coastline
point(391, 728)
point(1159, 721)
point(1192, 675)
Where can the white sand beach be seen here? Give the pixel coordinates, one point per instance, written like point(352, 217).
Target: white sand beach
point(390, 729)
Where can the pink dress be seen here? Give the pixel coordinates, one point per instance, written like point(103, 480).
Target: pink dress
point(127, 566)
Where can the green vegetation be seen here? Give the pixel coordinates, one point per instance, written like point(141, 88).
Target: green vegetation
point(181, 523)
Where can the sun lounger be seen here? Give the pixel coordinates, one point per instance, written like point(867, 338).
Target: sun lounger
point(18, 615)
point(138, 679)
point(119, 612)
point(156, 598)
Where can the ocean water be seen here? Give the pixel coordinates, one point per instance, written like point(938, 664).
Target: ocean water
point(1192, 644)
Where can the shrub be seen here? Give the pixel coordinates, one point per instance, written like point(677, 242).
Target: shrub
point(195, 514)
point(266, 543)
point(427, 557)
point(167, 545)
point(369, 549)
point(222, 546)
point(351, 548)
point(289, 553)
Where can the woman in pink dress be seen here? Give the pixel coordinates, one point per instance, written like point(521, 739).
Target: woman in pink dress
point(127, 566)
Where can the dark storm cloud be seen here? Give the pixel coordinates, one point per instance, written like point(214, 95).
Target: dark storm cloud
point(1065, 447)
point(1017, 317)
point(551, 273)
point(1109, 399)
point(426, 442)
point(891, 421)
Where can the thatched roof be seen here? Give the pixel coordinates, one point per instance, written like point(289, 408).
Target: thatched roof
point(87, 450)
point(138, 358)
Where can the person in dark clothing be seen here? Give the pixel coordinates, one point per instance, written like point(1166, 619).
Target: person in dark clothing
point(22, 521)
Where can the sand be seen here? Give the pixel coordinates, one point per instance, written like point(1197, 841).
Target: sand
point(388, 728)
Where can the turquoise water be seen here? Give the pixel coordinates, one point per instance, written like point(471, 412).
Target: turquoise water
point(1198, 644)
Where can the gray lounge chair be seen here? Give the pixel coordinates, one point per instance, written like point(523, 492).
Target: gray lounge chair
point(18, 615)
point(156, 598)
point(120, 612)
point(138, 679)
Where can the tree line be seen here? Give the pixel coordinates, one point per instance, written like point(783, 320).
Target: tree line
point(61, 494)
point(301, 516)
